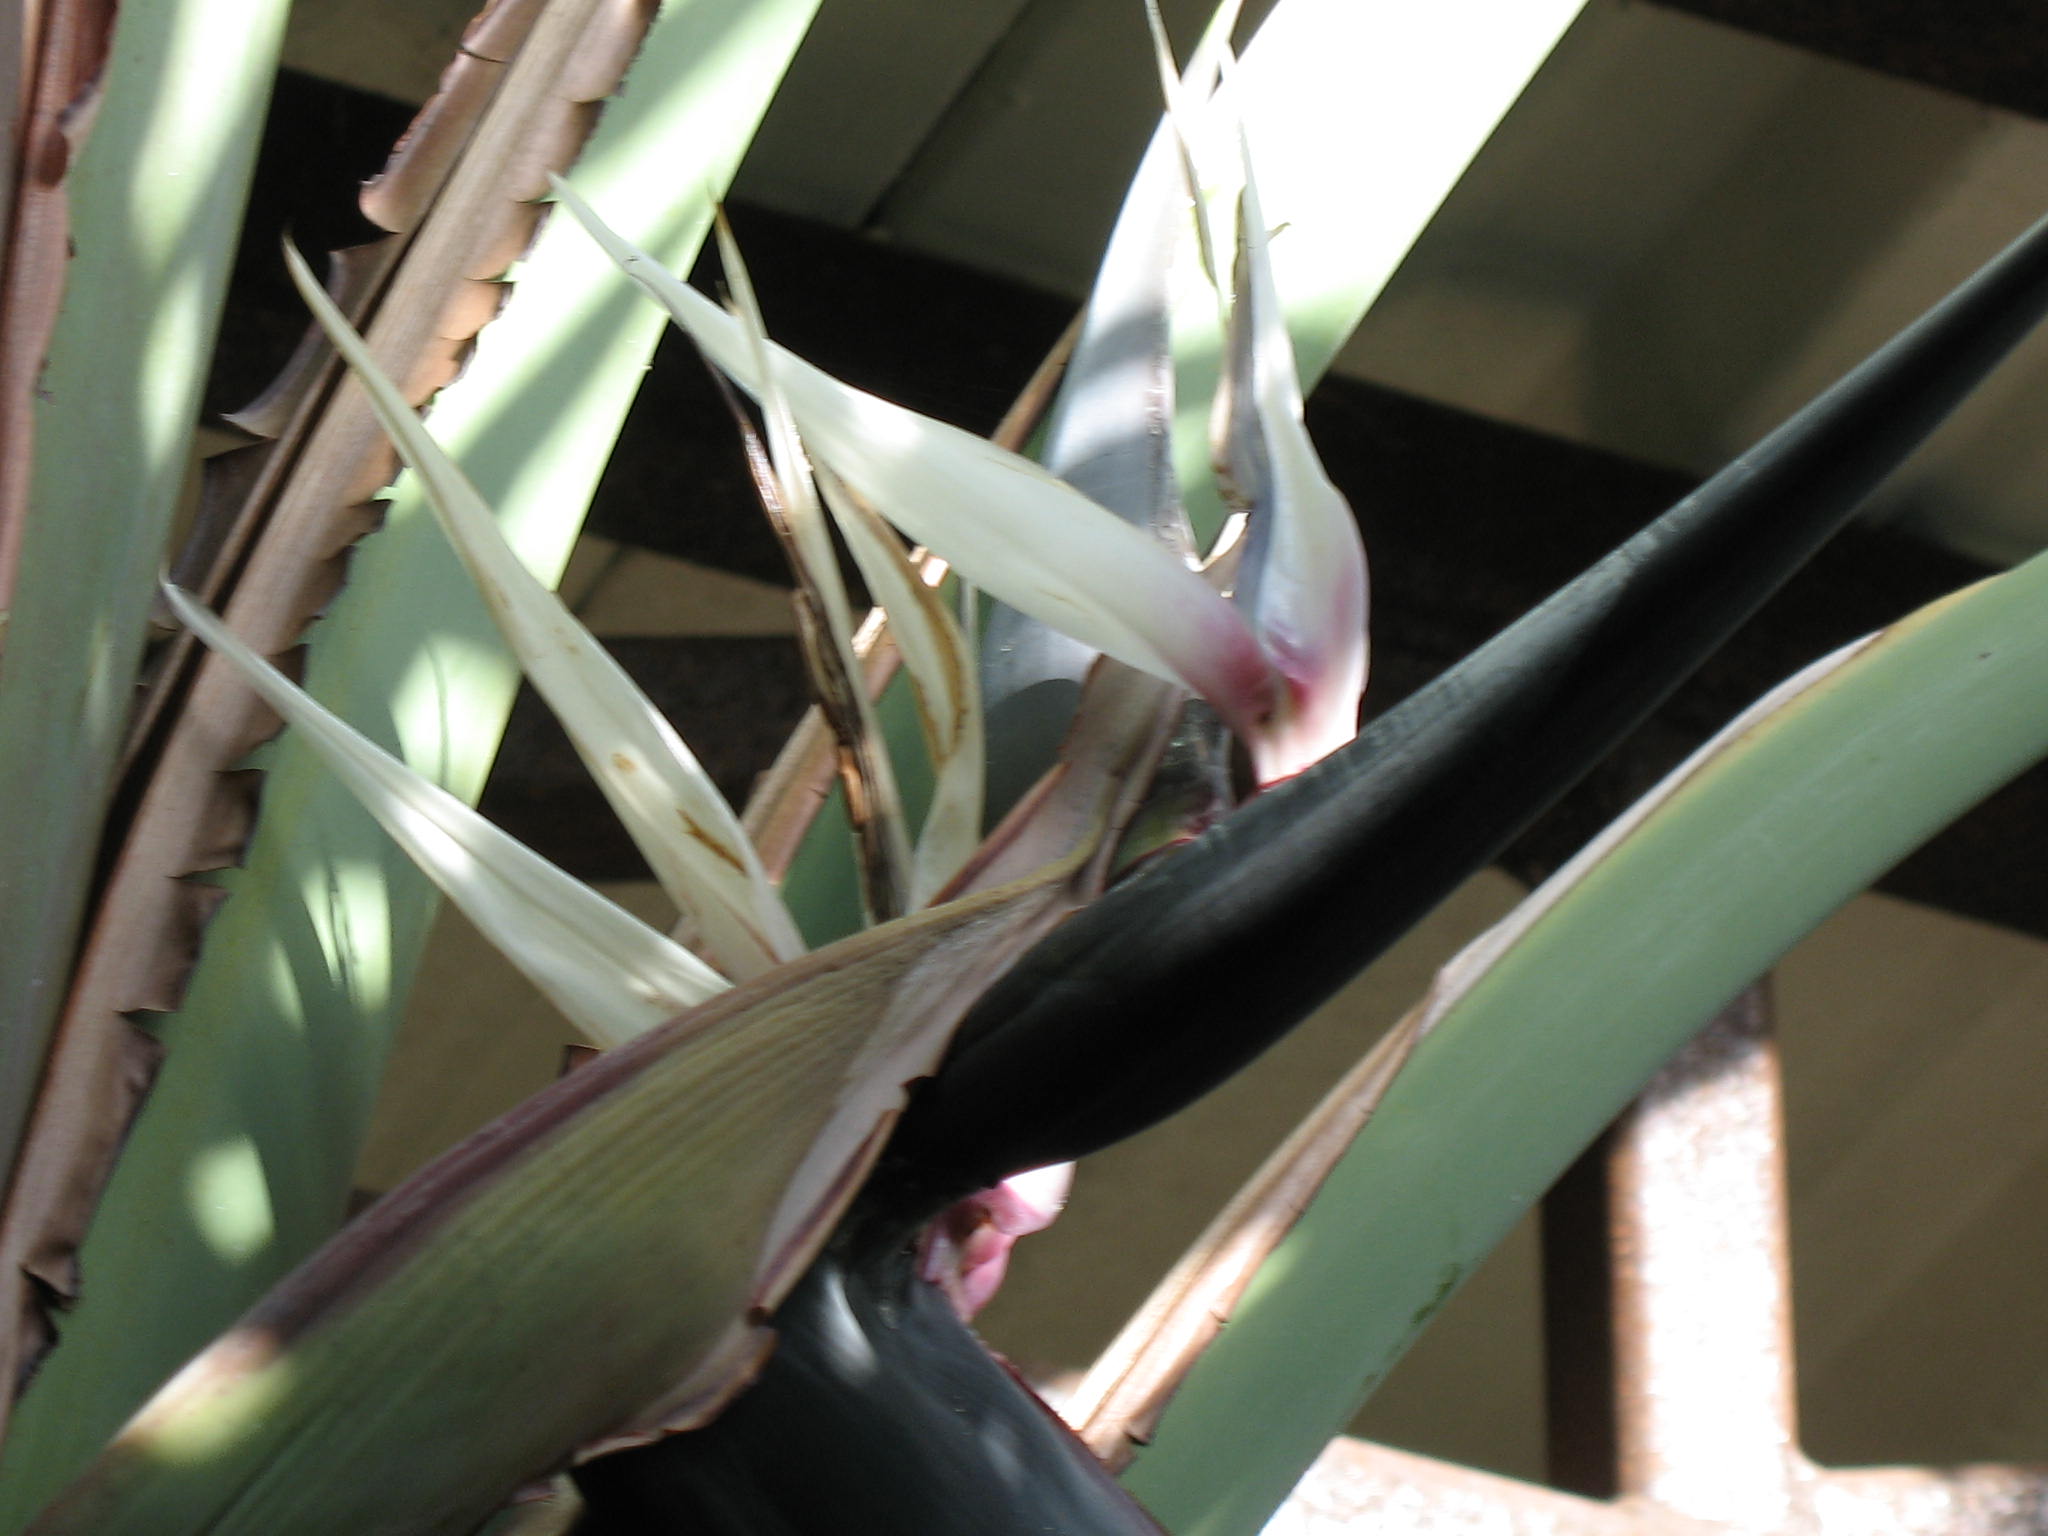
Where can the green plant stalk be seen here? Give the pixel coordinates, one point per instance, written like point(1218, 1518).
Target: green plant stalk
point(240, 1163)
point(156, 205)
point(1789, 819)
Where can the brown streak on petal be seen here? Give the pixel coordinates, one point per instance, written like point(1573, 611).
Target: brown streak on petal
point(794, 789)
point(713, 844)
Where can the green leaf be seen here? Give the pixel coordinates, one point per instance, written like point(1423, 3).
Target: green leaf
point(156, 195)
point(592, 1267)
point(242, 1159)
point(1547, 1027)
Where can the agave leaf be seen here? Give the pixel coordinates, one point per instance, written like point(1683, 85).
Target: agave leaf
point(1007, 525)
point(1794, 808)
point(609, 973)
point(276, 1055)
point(667, 802)
point(237, 488)
point(1238, 936)
point(629, 1226)
point(106, 322)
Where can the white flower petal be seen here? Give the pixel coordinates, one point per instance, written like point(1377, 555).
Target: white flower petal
point(610, 974)
point(662, 795)
point(1008, 526)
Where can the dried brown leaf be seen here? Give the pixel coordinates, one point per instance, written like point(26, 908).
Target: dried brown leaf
point(1118, 1405)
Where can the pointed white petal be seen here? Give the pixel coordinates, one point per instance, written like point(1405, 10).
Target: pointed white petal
point(1014, 530)
point(812, 546)
point(1303, 581)
point(1209, 174)
point(785, 451)
point(942, 675)
point(610, 974)
point(662, 795)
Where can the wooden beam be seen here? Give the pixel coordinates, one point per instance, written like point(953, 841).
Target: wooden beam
point(1992, 51)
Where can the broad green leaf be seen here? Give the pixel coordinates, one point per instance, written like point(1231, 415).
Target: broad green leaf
point(593, 1267)
point(667, 802)
point(155, 203)
point(1362, 114)
point(1606, 972)
point(242, 1160)
point(609, 973)
point(1014, 530)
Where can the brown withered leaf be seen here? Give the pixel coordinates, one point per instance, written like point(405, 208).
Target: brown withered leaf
point(279, 562)
point(1119, 1403)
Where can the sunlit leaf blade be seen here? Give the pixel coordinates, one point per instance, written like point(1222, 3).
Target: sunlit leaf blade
point(84, 516)
point(1240, 935)
point(1796, 807)
point(666, 801)
point(610, 974)
point(284, 1065)
point(941, 668)
point(592, 1263)
point(880, 1411)
point(1302, 581)
point(1006, 524)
